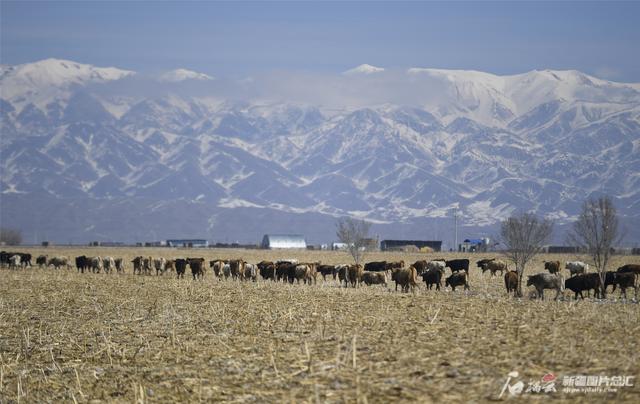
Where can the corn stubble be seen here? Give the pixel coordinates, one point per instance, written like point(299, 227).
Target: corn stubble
point(123, 338)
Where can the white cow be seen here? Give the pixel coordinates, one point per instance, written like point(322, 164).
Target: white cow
point(58, 262)
point(576, 267)
point(14, 261)
point(109, 264)
point(226, 270)
point(251, 272)
point(160, 264)
point(119, 264)
point(436, 265)
point(96, 264)
point(292, 261)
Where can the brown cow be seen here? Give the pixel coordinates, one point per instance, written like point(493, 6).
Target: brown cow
point(354, 274)
point(552, 266)
point(420, 266)
point(312, 275)
point(237, 269)
point(301, 273)
point(511, 282)
point(406, 278)
point(395, 265)
point(374, 278)
point(216, 267)
point(494, 266)
point(170, 266)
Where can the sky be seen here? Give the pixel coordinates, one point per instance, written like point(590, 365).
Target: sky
point(240, 38)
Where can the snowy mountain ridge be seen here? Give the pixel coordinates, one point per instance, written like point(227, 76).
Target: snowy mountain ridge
point(180, 164)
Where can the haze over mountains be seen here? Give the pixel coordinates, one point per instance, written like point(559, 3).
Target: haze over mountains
point(91, 153)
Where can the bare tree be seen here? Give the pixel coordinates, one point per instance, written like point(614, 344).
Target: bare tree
point(353, 233)
point(10, 236)
point(596, 232)
point(524, 237)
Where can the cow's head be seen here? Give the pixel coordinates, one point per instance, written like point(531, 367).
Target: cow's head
point(529, 280)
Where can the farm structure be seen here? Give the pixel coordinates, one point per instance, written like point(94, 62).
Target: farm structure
point(388, 245)
point(283, 241)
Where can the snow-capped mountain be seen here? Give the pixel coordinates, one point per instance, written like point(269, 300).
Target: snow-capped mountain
point(40, 82)
point(364, 69)
point(183, 74)
point(81, 162)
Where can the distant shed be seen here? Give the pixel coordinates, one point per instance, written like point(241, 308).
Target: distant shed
point(188, 243)
point(283, 241)
point(562, 249)
point(386, 245)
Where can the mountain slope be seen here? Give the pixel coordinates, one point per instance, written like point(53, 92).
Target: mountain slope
point(489, 145)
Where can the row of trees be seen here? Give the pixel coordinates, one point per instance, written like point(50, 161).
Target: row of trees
point(10, 236)
point(524, 236)
point(595, 231)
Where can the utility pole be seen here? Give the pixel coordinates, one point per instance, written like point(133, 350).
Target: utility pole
point(455, 221)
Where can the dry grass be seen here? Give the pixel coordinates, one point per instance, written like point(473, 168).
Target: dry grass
point(71, 337)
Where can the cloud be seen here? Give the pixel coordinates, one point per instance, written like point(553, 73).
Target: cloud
point(329, 90)
point(608, 73)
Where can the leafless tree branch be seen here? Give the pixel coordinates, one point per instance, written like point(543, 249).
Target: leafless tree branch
point(596, 231)
point(10, 236)
point(524, 237)
point(353, 233)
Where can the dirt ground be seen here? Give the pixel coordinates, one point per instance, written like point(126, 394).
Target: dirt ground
point(75, 337)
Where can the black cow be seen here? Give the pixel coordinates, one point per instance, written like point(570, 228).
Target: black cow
point(25, 259)
point(4, 258)
point(137, 265)
point(267, 270)
point(625, 280)
point(376, 266)
point(635, 268)
point(181, 267)
point(609, 279)
point(458, 265)
point(457, 279)
point(581, 282)
point(82, 263)
point(480, 264)
point(432, 277)
point(41, 261)
point(197, 267)
point(325, 270)
point(285, 271)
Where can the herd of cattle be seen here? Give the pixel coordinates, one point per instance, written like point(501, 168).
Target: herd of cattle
point(372, 273)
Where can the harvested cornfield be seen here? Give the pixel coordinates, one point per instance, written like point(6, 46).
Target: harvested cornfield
point(66, 336)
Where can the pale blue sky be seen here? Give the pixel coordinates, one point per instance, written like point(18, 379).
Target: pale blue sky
point(239, 38)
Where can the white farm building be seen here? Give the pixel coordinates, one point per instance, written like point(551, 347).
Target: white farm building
point(281, 241)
